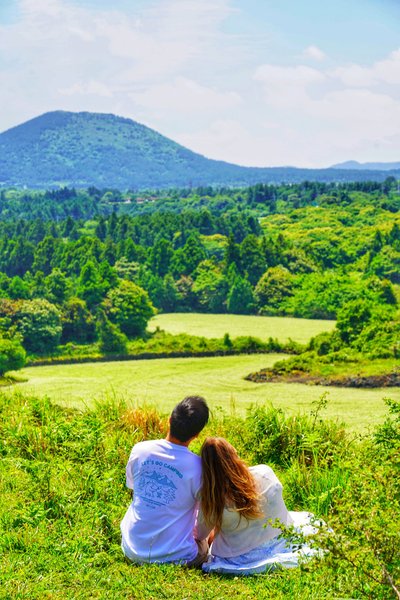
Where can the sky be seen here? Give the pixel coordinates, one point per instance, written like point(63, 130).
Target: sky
point(254, 82)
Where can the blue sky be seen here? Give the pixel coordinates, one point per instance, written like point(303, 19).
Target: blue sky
point(255, 82)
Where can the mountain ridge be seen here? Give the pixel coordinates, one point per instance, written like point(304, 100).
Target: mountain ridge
point(82, 149)
point(367, 166)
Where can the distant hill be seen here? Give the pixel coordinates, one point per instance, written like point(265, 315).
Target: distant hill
point(83, 149)
point(368, 166)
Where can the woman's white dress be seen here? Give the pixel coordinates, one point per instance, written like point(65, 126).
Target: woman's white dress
point(244, 547)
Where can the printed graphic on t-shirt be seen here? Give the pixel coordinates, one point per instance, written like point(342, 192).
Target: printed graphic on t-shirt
point(156, 487)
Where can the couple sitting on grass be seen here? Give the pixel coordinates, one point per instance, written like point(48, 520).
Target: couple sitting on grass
point(209, 511)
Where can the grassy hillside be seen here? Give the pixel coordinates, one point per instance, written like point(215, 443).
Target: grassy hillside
point(84, 149)
point(63, 495)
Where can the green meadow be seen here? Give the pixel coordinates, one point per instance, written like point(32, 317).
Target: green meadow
point(162, 382)
point(211, 326)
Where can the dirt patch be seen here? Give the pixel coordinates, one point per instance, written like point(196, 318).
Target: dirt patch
point(356, 381)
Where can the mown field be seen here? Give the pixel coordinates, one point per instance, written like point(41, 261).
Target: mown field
point(209, 325)
point(162, 382)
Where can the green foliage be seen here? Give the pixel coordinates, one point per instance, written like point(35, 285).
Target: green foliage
point(111, 339)
point(362, 330)
point(90, 285)
point(12, 355)
point(273, 437)
point(57, 286)
point(77, 322)
point(204, 250)
point(352, 319)
point(387, 435)
point(321, 295)
point(240, 298)
point(272, 289)
point(129, 306)
point(210, 287)
point(364, 538)
point(39, 322)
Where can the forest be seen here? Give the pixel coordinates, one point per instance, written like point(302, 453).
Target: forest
point(90, 268)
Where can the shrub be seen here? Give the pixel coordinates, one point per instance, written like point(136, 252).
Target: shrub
point(12, 355)
point(273, 437)
point(111, 339)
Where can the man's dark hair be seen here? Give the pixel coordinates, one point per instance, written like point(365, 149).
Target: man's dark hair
point(188, 418)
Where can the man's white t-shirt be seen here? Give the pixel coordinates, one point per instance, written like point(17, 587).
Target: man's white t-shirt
point(158, 525)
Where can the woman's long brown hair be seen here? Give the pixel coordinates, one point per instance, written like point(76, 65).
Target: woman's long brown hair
point(227, 482)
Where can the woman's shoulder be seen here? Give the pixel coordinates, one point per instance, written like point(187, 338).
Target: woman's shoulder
point(265, 475)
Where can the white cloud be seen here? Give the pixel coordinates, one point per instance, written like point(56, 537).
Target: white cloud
point(286, 86)
point(340, 112)
point(173, 65)
point(185, 95)
point(91, 87)
point(314, 53)
point(385, 71)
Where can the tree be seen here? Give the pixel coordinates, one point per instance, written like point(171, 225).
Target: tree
point(232, 253)
point(240, 298)
point(12, 355)
point(18, 288)
point(77, 322)
point(352, 318)
point(169, 298)
point(160, 257)
point(129, 306)
point(44, 255)
point(252, 260)
point(274, 287)
point(111, 339)
point(39, 322)
point(90, 285)
point(386, 264)
point(57, 286)
point(186, 259)
point(210, 287)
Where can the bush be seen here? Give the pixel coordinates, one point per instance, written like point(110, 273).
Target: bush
point(12, 355)
point(273, 437)
point(111, 339)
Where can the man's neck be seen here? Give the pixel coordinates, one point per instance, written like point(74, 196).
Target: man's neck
point(174, 440)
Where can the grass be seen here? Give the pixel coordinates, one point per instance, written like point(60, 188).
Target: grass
point(162, 382)
point(207, 325)
point(63, 495)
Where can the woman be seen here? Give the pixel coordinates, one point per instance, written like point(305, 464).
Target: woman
point(239, 503)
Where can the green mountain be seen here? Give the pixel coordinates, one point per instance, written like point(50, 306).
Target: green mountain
point(83, 149)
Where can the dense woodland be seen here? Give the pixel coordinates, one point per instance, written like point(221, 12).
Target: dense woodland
point(93, 266)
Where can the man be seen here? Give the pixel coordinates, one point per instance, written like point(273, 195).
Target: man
point(165, 477)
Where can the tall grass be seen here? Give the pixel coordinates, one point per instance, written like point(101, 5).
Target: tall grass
point(62, 496)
